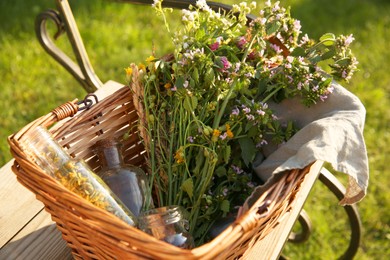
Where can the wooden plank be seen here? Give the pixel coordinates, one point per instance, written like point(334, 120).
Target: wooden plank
point(40, 239)
point(271, 247)
point(107, 89)
point(18, 205)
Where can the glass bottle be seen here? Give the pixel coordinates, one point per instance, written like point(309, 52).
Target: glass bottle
point(128, 182)
point(167, 224)
point(74, 174)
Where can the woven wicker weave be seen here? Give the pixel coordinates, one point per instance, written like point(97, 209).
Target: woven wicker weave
point(92, 233)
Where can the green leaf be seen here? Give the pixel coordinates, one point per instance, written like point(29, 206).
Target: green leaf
point(252, 131)
point(248, 150)
point(188, 187)
point(194, 102)
point(327, 82)
point(328, 39)
point(273, 27)
point(299, 51)
point(199, 162)
point(200, 230)
point(187, 104)
point(220, 171)
point(200, 33)
point(179, 82)
point(225, 206)
point(195, 74)
point(328, 55)
point(248, 126)
point(343, 62)
point(209, 77)
point(315, 59)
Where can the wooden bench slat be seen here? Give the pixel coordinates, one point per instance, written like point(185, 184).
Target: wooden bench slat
point(40, 239)
point(271, 247)
point(18, 205)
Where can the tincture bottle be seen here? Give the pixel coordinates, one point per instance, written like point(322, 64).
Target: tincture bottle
point(167, 224)
point(127, 181)
point(75, 175)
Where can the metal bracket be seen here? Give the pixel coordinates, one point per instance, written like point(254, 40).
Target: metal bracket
point(65, 22)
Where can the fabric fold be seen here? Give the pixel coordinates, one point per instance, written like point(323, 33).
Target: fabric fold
point(331, 131)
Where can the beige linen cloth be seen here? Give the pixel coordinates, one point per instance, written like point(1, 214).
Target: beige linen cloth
point(331, 131)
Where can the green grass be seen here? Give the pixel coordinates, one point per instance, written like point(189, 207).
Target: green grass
point(116, 34)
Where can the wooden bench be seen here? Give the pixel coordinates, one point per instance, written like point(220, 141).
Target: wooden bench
point(26, 229)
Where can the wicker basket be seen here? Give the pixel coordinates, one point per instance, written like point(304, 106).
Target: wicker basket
point(92, 233)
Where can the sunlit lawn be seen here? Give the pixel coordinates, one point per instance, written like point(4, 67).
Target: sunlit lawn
point(116, 34)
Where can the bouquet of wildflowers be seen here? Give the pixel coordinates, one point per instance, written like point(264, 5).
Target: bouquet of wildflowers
point(203, 109)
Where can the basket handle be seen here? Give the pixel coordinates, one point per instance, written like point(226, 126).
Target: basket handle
point(68, 109)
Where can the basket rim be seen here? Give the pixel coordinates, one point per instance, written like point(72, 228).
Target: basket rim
point(260, 213)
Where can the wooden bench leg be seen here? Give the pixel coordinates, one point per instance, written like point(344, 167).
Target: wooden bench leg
point(338, 189)
point(335, 186)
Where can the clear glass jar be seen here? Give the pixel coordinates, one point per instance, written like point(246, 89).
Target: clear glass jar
point(167, 224)
point(74, 174)
point(128, 182)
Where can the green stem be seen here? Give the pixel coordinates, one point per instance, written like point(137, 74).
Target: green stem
point(271, 94)
point(221, 112)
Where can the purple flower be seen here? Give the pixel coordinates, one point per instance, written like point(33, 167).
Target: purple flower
point(190, 139)
point(235, 111)
point(290, 59)
point(250, 117)
point(261, 143)
point(223, 136)
point(237, 67)
point(225, 192)
point(237, 169)
point(349, 40)
point(241, 42)
point(260, 112)
point(264, 105)
point(323, 97)
point(290, 79)
point(246, 110)
point(250, 184)
point(214, 46)
point(330, 89)
point(276, 48)
point(297, 25)
point(225, 63)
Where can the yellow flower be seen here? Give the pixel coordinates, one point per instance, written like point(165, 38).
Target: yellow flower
point(168, 85)
point(129, 71)
point(216, 132)
point(150, 59)
point(179, 156)
point(142, 67)
point(229, 132)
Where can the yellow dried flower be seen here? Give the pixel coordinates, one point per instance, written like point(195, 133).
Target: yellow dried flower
point(216, 132)
point(229, 132)
point(142, 67)
point(179, 156)
point(150, 59)
point(129, 71)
